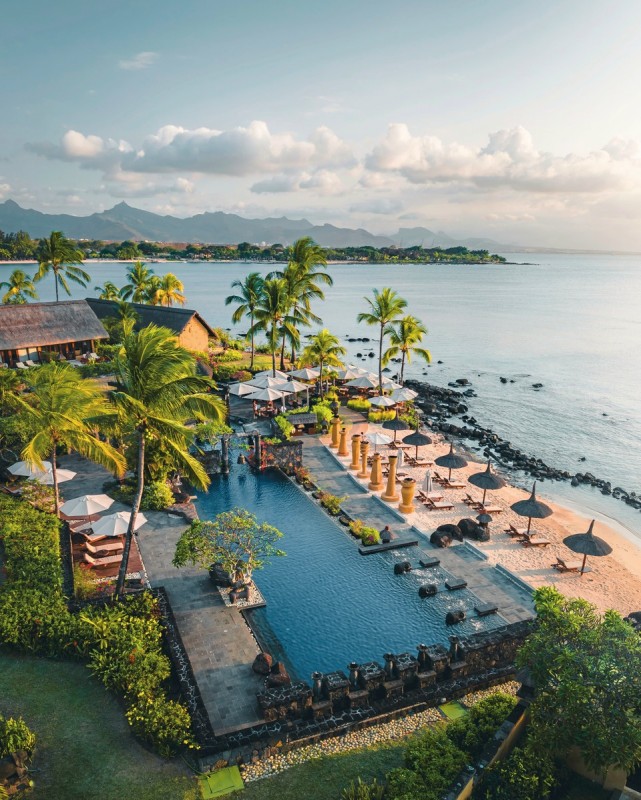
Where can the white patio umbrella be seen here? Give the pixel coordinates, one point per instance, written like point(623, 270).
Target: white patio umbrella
point(86, 505)
point(376, 438)
point(290, 386)
point(266, 395)
point(266, 381)
point(306, 373)
point(92, 356)
point(116, 524)
point(350, 372)
point(403, 394)
point(268, 373)
point(363, 382)
point(383, 402)
point(240, 389)
point(388, 383)
point(62, 475)
point(24, 469)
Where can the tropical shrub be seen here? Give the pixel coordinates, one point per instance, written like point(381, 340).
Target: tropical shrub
point(410, 415)
point(163, 723)
point(96, 369)
point(381, 416)
point(330, 502)
point(472, 733)
point(361, 790)
point(84, 585)
point(302, 474)
point(523, 775)
point(365, 533)
point(323, 413)
point(432, 761)
point(156, 495)
point(225, 372)
point(38, 495)
point(359, 404)
point(15, 735)
point(241, 375)
point(285, 427)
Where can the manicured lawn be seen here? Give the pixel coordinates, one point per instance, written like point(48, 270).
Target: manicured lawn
point(324, 779)
point(84, 749)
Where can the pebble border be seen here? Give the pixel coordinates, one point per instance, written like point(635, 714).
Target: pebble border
point(386, 731)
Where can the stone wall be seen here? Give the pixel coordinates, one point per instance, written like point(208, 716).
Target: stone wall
point(287, 456)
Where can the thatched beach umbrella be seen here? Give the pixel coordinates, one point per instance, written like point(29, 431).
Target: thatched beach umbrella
point(417, 439)
point(486, 480)
point(451, 461)
point(587, 544)
point(531, 508)
point(395, 425)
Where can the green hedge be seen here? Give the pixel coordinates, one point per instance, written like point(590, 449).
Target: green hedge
point(359, 404)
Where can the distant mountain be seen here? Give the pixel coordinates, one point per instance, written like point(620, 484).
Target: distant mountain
point(408, 237)
point(124, 222)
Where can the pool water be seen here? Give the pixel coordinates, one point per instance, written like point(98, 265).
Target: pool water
point(326, 604)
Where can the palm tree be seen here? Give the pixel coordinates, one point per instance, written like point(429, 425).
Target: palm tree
point(405, 336)
point(139, 276)
point(323, 349)
point(59, 255)
point(108, 291)
point(272, 315)
point(19, 287)
point(249, 293)
point(385, 308)
point(157, 391)
point(65, 410)
point(170, 290)
point(152, 292)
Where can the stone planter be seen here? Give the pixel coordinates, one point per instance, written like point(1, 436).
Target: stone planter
point(408, 487)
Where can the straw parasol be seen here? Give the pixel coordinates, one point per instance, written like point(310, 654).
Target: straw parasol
point(62, 475)
point(23, 469)
point(86, 505)
point(382, 401)
point(116, 524)
point(240, 389)
point(531, 508)
point(417, 439)
point(587, 544)
point(451, 461)
point(403, 394)
point(377, 438)
point(486, 480)
point(305, 374)
point(395, 425)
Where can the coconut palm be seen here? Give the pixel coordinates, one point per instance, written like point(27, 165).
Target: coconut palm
point(60, 256)
point(272, 316)
point(9, 384)
point(137, 288)
point(65, 410)
point(152, 292)
point(405, 337)
point(249, 294)
point(19, 287)
point(385, 308)
point(169, 291)
point(108, 291)
point(157, 391)
point(323, 349)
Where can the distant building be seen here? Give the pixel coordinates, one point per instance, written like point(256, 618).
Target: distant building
point(190, 328)
point(38, 331)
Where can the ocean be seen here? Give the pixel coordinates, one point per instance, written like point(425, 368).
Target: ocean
point(569, 322)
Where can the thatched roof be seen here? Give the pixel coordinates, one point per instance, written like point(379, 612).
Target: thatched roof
point(47, 324)
point(176, 319)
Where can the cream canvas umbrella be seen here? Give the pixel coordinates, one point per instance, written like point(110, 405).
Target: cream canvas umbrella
point(86, 505)
point(382, 401)
point(376, 438)
point(267, 381)
point(290, 386)
point(24, 469)
point(241, 389)
point(403, 394)
point(350, 372)
point(306, 373)
point(62, 475)
point(116, 524)
point(267, 394)
point(363, 382)
point(268, 373)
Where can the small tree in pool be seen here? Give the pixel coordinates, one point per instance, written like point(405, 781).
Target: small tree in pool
point(234, 539)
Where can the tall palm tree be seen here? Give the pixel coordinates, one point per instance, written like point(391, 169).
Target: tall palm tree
point(60, 256)
point(170, 290)
point(157, 391)
point(108, 291)
point(272, 315)
point(323, 349)
point(66, 410)
point(152, 292)
point(249, 293)
point(384, 308)
point(19, 287)
point(136, 289)
point(405, 337)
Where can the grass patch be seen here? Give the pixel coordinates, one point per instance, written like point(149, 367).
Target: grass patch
point(325, 778)
point(84, 748)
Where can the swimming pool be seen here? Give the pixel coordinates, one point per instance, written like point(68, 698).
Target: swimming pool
point(326, 604)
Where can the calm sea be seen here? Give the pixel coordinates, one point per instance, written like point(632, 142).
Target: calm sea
point(570, 322)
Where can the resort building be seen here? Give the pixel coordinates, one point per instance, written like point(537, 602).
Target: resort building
point(39, 331)
point(190, 328)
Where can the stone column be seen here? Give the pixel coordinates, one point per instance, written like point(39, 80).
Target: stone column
point(356, 449)
point(224, 455)
point(364, 451)
point(334, 427)
point(257, 451)
point(390, 494)
point(342, 445)
point(376, 478)
point(406, 505)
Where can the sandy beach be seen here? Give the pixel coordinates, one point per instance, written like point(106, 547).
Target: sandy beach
point(613, 582)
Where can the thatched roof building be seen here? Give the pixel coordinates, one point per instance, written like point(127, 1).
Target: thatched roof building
point(69, 329)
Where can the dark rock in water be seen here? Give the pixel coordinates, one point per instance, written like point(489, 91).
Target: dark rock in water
point(359, 355)
point(537, 385)
point(441, 539)
point(263, 664)
point(402, 567)
point(386, 369)
point(451, 530)
point(427, 590)
point(365, 339)
point(371, 355)
point(351, 339)
point(582, 458)
point(439, 362)
point(512, 380)
point(604, 414)
point(462, 382)
point(454, 617)
point(574, 481)
point(503, 380)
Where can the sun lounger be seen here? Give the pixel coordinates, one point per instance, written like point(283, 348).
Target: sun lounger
point(101, 563)
point(436, 477)
point(567, 566)
point(535, 541)
point(103, 547)
point(512, 531)
point(485, 609)
point(439, 505)
point(10, 491)
point(454, 484)
point(490, 509)
point(425, 497)
point(20, 365)
point(30, 363)
point(470, 501)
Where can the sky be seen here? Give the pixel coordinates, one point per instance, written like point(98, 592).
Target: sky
point(517, 121)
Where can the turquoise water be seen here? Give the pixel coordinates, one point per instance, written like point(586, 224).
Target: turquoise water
point(326, 604)
point(571, 322)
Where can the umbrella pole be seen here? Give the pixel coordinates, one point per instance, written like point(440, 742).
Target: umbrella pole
point(585, 558)
point(449, 477)
point(529, 523)
point(483, 500)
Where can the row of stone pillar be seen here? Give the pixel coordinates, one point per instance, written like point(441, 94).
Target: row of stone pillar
point(360, 452)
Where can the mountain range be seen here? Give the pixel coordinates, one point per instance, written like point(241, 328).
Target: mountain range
point(123, 222)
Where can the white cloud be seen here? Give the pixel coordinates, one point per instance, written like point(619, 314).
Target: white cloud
point(377, 205)
point(90, 151)
point(5, 189)
point(142, 60)
point(324, 182)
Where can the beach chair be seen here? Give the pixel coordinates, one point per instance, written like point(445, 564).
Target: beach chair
point(454, 484)
point(438, 479)
point(567, 566)
point(30, 363)
point(439, 505)
point(103, 547)
point(101, 563)
point(20, 365)
point(490, 509)
point(470, 501)
point(535, 541)
point(512, 531)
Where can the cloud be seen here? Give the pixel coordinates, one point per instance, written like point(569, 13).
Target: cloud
point(5, 189)
point(90, 151)
point(323, 182)
point(509, 159)
point(377, 205)
point(142, 60)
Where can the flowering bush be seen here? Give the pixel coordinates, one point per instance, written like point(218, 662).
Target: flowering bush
point(163, 723)
point(331, 502)
point(365, 533)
